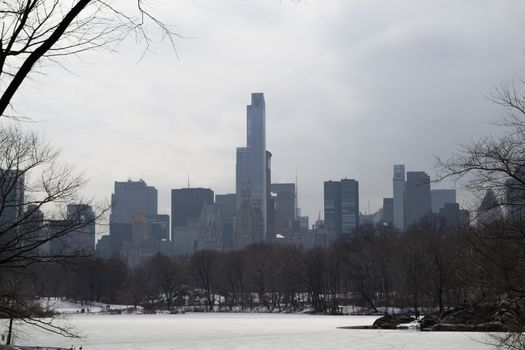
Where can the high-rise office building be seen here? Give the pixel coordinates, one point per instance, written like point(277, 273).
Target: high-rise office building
point(12, 198)
point(399, 196)
point(160, 227)
point(341, 206)
point(285, 206)
point(227, 204)
point(332, 206)
point(82, 239)
point(142, 247)
point(270, 200)
point(69, 240)
point(349, 206)
point(187, 204)
point(128, 199)
point(252, 166)
point(388, 211)
point(211, 229)
point(131, 197)
point(442, 197)
point(418, 200)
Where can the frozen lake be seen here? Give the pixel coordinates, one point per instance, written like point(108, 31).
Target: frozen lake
point(243, 331)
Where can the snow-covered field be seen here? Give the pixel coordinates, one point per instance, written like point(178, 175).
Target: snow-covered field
point(243, 331)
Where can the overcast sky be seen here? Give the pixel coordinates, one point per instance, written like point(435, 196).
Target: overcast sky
point(351, 88)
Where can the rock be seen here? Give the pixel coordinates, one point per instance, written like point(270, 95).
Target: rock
point(428, 322)
point(392, 321)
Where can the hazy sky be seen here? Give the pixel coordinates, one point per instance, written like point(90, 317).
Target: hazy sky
point(351, 88)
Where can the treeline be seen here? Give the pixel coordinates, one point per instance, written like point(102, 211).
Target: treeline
point(423, 268)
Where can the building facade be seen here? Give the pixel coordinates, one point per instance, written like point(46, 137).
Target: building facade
point(399, 196)
point(418, 199)
point(388, 211)
point(341, 206)
point(227, 204)
point(142, 246)
point(187, 204)
point(285, 207)
point(332, 206)
point(131, 198)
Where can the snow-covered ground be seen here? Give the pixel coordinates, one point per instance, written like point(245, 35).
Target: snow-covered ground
point(243, 331)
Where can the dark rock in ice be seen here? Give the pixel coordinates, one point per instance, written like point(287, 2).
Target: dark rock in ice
point(392, 321)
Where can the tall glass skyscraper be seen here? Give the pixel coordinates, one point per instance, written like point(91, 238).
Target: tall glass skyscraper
point(251, 167)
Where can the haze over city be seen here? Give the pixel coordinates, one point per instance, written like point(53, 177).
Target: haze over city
point(351, 88)
point(254, 174)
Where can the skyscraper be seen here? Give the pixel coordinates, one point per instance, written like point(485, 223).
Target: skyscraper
point(418, 200)
point(388, 211)
point(227, 204)
point(129, 198)
point(399, 196)
point(80, 240)
point(285, 206)
point(349, 206)
point(187, 204)
point(12, 188)
point(341, 206)
point(141, 247)
point(252, 165)
point(332, 206)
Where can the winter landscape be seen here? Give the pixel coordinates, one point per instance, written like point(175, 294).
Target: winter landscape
point(200, 331)
point(262, 174)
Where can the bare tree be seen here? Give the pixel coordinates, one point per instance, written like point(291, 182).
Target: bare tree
point(203, 266)
point(32, 31)
point(497, 163)
point(168, 278)
point(32, 182)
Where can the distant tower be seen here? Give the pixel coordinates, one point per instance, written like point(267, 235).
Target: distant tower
point(128, 199)
point(388, 211)
point(332, 206)
point(187, 204)
point(285, 207)
point(418, 199)
point(252, 165)
point(349, 206)
point(399, 196)
point(341, 206)
point(12, 192)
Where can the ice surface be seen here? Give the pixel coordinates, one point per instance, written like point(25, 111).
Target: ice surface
point(244, 331)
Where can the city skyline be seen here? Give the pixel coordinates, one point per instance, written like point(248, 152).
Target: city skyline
point(374, 89)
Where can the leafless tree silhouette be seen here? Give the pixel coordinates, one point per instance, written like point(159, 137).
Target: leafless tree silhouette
point(32, 31)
